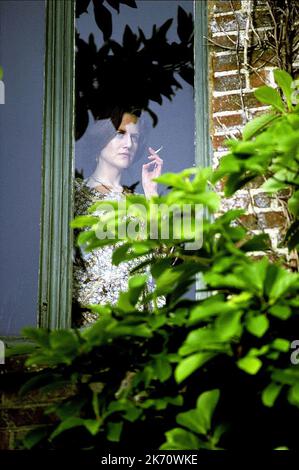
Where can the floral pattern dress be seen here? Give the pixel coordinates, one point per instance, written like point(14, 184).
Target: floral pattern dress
point(95, 279)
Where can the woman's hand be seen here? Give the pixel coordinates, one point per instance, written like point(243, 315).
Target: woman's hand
point(150, 171)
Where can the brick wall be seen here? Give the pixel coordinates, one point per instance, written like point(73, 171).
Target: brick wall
point(20, 414)
point(237, 68)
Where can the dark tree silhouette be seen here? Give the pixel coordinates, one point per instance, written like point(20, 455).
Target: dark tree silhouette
point(131, 74)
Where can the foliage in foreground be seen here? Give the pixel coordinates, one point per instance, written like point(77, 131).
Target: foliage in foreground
point(205, 374)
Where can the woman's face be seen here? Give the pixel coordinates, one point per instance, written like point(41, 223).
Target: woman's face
point(120, 151)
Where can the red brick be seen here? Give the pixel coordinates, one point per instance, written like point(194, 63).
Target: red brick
point(272, 219)
point(262, 58)
point(4, 439)
point(261, 18)
point(224, 63)
point(219, 141)
point(226, 103)
point(249, 221)
point(13, 399)
point(256, 113)
point(233, 102)
point(250, 101)
point(228, 121)
point(259, 78)
point(222, 43)
point(230, 82)
point(223, 6)
point(16, 417)
point(228, 23)
point(284, 193)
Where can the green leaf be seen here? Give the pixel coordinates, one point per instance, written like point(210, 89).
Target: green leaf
point(68, 408)
point(90, 424)
point(258, 124)
point(40, 336)
point(39, 381)
point(293, 395)
point(136, 286)
point(251, 365)
point(270, 393)
point(208, 309)
point(206, 404)
point(260, 242)
point(20, 349)
point(284, 281)
point(179, 439)
point(187, 366)
point(65, 340)
point(293, 204)
point(257, 325)
point(114, 431)
point(193, 421)
point(281, 311)
point(286, 376)
point(272, 185)
point(292, 235)
point(293, 119)
point(228, 324)
point(201, 338)
point(268, 95)
point(219, 430)
point(281, 344)
point(119, 253)
point(35, 436)
point(84, 221)
point(162, 368)
point(253, 352)
point(132, 413)
point(284, 81)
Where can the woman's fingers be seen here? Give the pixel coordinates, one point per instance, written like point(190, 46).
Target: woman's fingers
point(156, 157)
point(154, 162)
point(145, 165)
point(153, 152)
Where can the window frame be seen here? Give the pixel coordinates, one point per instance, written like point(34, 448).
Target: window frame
point(203, 144)
point(55, 270)
point(58, 162)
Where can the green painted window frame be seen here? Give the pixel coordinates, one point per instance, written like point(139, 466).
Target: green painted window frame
point(203, 146)
point(56, 242)
point(55, 271)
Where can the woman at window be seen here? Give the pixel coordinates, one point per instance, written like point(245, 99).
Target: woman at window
point(123, 141)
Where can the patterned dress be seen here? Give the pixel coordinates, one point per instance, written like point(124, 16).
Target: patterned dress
point(95, 279)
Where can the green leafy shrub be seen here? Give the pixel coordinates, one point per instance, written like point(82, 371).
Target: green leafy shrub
point(227, 356)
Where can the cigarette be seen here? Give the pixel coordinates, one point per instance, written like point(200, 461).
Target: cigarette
point(156, 151)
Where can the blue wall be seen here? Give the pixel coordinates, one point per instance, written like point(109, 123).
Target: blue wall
point(22, 30)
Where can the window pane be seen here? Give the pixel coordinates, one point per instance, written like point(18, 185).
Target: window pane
point(138, 58)
point(22, 31)
point(175, 127)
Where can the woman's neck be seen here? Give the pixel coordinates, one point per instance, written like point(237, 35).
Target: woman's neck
point(107, 174)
